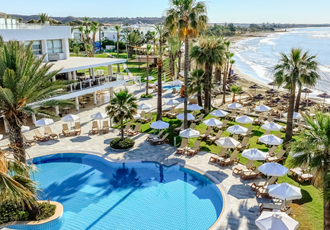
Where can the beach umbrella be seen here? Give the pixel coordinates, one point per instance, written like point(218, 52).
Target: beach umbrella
point(144, 106)
point(177, 82)
point(172, 102)
point(295, 115)
point(262, 108)
point(189, 116)
point(44, 122)
point(284, 191)
point(237, 129)
point(99, 116)
point(271, 91)
point(254, 154)
point(235, 105)
point(212, 122)
point(324, 95)
point(273, 169)
point(25, 129)
point(276, 220)
point(271, 126)
point(255, 87)
point(219, 113)
point(189, 133)
point(244, 119)
point(194, 107)
point(149, 78)
point(286, 96)
point(159, 125)
point(227, 142)
point(306, 91)
point(270, 140)
point(70, 118)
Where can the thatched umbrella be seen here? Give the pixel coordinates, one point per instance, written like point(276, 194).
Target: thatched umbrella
point(255, 87)
point(306, 91)
point(324, 96)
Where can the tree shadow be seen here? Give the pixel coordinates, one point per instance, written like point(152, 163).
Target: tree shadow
point(306, 198)
point(80, 139)
point(241, 192)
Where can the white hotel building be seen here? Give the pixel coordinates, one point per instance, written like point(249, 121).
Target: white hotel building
point(53, 42)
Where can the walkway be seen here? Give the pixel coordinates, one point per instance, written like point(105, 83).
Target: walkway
point(243, 205)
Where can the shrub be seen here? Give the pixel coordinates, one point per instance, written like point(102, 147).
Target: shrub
point(46, 210)
point(147, 96)
point(107, 42)
point(118, 143)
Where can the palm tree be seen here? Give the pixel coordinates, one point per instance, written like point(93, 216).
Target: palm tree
point(94, 29)
point(25, 79)
point(290, 71)
point(153, 33)
point(313, 146)
point(148, 52)
point(133, 39)
point(175, 45)
point(43, 18)
point(186, 18)
point(196, 84)
point(118, 28)
point(208, 52)
point(227, 66)
point(122, 107)
point(15, 183)
point(76, 49)
point(235, 90)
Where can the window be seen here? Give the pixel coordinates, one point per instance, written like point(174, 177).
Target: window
point(36, 47)
point(54, 46)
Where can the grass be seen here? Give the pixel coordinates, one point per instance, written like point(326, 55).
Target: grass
point(308, 211)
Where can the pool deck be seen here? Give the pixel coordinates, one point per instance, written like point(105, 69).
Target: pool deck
point(243, 208)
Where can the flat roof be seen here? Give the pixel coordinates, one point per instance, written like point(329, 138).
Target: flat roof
point(80, 63)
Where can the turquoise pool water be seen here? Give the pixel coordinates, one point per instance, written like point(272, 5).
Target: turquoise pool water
point(178, 87)
point(98, 194)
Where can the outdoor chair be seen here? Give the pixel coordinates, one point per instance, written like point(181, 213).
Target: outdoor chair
point(195, 149)
point(235, 136)
point(105, 127)
point(199, 119)
point(272, 151)
point(207, 133)
point(176, 113)
point(65, 130)
point(148, 119)
point(244, 144)
point(299, 128)
point(77, 128)
point(220, 156)
point(40, 137)
point(249, 132)
point(181, 149)
point(159, 141)
point(248, 167)
point(136, 130)
point(95, 127)
point(279, 135)
point(258, 120)
point(192, 126)
point(50, 133)
point(127, 127)
point(224, 125)
point(151, 136)
point(178, 129)
point(28, 142)
point(212, 139)
point(257, 186)
point(249, 175)
point(168, 112)
point(230, 161)
point(278, 157)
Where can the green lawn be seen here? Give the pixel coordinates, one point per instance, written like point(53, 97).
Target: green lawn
point(308, 211)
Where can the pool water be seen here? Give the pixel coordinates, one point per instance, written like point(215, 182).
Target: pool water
point(178, 87)
point(98, 194)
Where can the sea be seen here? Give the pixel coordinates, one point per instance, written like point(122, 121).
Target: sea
point(256, 56)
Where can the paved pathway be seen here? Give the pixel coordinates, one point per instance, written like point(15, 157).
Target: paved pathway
point(243, 205)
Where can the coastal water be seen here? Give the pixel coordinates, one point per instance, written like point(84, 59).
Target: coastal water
point(256, 56)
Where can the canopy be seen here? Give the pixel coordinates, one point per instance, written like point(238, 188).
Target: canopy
point(144, 106)
point(99, 116)
point(235, 106)
point(254, 154)
point(194, 107)
point(70, 118)
point(272, 126)
point(189, 116)
point(227, 142)
point(237, 129)
point(262, 108)
point(172, 102)
point(177, 82)
point(219, 113)
point(270, 140)
point(273, 169)
point(159, 125)
point(276, 221)
point(212, 122)
point(44, 122)
point(189, 133)
point(295, 115)
point(149, 78)
point(244, 119)
point(284, 191)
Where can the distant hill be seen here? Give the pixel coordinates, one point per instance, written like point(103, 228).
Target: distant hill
point(107, 20)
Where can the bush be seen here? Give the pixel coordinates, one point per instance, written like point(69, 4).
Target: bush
point(118, 143)
point(147, 96)
point(107, 42)
point(12, 212)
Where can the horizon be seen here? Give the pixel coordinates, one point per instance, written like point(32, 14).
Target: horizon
point(243, 12)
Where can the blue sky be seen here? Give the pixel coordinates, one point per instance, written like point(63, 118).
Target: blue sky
point(239, 11)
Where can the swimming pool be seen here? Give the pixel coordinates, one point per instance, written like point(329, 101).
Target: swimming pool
point(170, 87)
point(99, 194)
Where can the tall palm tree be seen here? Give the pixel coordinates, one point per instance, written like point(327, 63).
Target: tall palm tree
point(235, 90)
point(174, 45)
point(148, 50)
point(313, 146)
point(196, 84)
point(153, 33)
point(122, 107)
point(208, 52)
point(290, 71)
point(118, 28)
point(186, 18)
point(94, 28)
point(43, 18)
point(15, 183)
point(133, 39)
point(25, 79)
point(227, 66)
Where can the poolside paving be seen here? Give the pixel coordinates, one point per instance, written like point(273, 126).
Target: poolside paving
point(243, 205)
